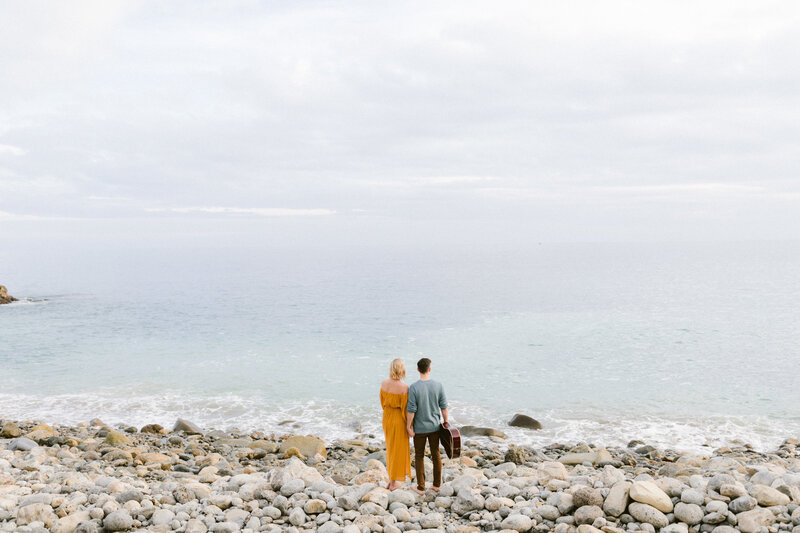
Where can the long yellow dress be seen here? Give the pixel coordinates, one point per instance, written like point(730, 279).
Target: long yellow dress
point(398, 455)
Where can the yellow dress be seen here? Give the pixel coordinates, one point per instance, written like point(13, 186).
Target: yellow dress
point(398, 456)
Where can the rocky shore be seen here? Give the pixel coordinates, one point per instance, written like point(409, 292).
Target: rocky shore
point(94, 478)
point(5, 298)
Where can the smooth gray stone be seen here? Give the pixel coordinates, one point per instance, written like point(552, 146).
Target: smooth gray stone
point(22, 444)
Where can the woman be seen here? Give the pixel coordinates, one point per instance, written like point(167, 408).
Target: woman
point(394, 397)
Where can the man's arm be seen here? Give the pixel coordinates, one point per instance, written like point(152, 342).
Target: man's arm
point(411, 409)
point(443, 404)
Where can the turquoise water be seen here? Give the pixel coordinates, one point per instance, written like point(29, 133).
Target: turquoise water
point(678, 345)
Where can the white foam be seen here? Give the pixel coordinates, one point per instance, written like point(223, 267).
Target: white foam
point(333, 420)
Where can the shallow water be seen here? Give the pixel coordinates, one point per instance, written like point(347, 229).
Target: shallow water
point(677, 345)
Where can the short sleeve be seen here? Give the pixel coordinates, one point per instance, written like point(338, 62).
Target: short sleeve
point(442, 398)
point(411, 407)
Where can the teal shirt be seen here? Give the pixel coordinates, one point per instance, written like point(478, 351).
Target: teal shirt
point(426, 399)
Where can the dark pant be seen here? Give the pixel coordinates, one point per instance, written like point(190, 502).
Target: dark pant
point(419, 458)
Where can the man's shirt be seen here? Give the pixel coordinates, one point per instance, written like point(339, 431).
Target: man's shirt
point(426, 399)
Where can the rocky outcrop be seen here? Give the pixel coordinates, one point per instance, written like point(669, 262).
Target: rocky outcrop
point(5, 298)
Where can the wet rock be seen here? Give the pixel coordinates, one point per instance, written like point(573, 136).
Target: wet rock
point(473, 431)
point(186, 427)
point(10, 431)
point(154, 429)
point(524, 421)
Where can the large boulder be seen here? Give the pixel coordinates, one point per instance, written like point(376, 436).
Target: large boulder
point(5, 298)
point(524, 421)
point(309, 446)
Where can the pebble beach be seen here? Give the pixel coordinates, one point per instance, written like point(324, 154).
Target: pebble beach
point(95, 478)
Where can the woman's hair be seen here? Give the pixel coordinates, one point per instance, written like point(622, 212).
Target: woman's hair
point(397, 370)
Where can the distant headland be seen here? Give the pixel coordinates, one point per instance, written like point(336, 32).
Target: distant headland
point(5, 298)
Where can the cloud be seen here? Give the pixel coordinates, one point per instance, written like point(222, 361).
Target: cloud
point(710, 188)
point(436, 111)
point(5, 216)
point(7, 149)
point(251, 211)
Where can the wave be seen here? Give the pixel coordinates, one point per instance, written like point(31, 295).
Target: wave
point(332, 420)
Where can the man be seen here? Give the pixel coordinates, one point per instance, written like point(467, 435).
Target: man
point(426, 400)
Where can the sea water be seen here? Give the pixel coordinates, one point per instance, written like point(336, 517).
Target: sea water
point(679, 345)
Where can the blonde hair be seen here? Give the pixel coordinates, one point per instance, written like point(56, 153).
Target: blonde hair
point(397, 370)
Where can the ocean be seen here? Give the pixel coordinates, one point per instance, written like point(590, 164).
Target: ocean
point(686, 346)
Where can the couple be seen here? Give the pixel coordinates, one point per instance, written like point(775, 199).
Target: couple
point(412, 412)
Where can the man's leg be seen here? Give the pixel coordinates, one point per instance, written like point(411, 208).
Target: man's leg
point(419, 459)
point(433, 439)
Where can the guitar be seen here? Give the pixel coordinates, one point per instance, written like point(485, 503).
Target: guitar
point(450, 439)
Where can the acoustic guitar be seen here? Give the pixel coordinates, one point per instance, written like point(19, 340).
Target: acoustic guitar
point(450, 439)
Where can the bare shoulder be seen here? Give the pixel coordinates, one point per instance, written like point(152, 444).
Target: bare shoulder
point(405, 387)
point(385, 384)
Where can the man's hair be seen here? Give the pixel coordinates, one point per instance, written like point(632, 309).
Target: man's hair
point(423, 365)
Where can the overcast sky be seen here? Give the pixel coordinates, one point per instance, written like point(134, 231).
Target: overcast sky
point(399, 121)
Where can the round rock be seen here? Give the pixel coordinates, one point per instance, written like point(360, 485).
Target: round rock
point(118, 521)
point(587, 514)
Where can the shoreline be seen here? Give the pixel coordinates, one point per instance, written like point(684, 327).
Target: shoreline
point(93, 478)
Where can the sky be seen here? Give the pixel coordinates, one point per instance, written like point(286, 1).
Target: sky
point(124, 123)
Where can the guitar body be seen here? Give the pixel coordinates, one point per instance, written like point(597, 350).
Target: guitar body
point(450, 439)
